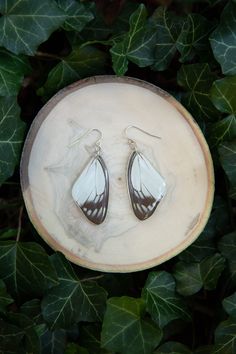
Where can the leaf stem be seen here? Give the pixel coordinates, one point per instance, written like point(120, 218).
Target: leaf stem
point(92, 278)
point(47, 55)
point(19, 223)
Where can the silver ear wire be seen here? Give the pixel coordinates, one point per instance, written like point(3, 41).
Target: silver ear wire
point(97, 143)
point(131, 142)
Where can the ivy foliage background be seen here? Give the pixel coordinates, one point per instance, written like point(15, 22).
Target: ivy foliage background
point(184, 306)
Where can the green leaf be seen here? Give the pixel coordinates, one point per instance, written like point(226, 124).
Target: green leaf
point(223, 130)
point(72, 300)
point(197, 80)
point(90, 338)
point(11, 136)
point(125, 331)
point(53, 342)
point(211, 269)
point(222, 94)
point(77, 15)
point(12, 71)
point(163, 304)
point(10, 337)
point(172, 348)
point(24, 25)
point(191, 277)
point(188, 278)
point(80, 63)
point(229, 304)
point(227, 246)
point(227, 152)
point(7, 233)
point(5, 298)
point(98, 29)
point(193, 36)
point(32, 343)
point(137, 45)
point(225, 338)
point(32, 309)
point(223, 41)
point(168, 27)
point(25, 268)
point(73, 348)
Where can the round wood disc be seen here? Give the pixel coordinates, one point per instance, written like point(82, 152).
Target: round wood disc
point(51, 163)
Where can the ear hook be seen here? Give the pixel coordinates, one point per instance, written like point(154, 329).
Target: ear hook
point(131, 141)
point(97, 143)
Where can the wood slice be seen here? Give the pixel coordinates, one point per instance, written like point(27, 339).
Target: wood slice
point(50, 166)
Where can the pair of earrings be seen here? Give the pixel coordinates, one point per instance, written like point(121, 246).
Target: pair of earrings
point(145, 185)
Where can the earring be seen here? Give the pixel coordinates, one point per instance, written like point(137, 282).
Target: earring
point(145, 185)
point(90, 191)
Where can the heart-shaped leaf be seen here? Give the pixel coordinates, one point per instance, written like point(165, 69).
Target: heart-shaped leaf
point(223, 41)
point(25, 268)
point(163, 304)
point(11, 136)
point(125, 331)
point(137, 45)
point(24, 25)
point(5, 298)
point(72, 300)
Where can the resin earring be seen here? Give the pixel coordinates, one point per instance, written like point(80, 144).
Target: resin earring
point(145, 184)
point(90, 191)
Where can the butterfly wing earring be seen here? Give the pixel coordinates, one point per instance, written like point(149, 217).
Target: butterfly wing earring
point(90, 190)
point(145, 184)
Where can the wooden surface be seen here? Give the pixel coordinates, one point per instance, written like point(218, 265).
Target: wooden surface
point(49, 167)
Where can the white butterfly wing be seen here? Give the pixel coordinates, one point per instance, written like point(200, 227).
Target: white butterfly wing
point(91, 190)
point(146, 186)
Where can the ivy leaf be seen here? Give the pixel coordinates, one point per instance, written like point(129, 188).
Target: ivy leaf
point(31, 337)
point(191, 277)
point(5, 298)
point(211, 269)
point(225, 338)
point(193, 36)
point(223, 41)
point(227, 152)
point(24, 25)
point(223, 130)
point(12, 71)
point(172, 348)
point(10, 337)
point(163, 304)
point(222, 94)
point(168, 27)
point(53, 342)
point(227, 246)
point(137, 45)
point(32, 309)
point(188, 278)
point(197, 80)
point(81, 62)
point(11, 136)
point(97, 29)
point(125, 331)
point(77, 15)
point(73, 348)
point(72, 300)
point(25, 268)
point(90, 338)
point(229, 304)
